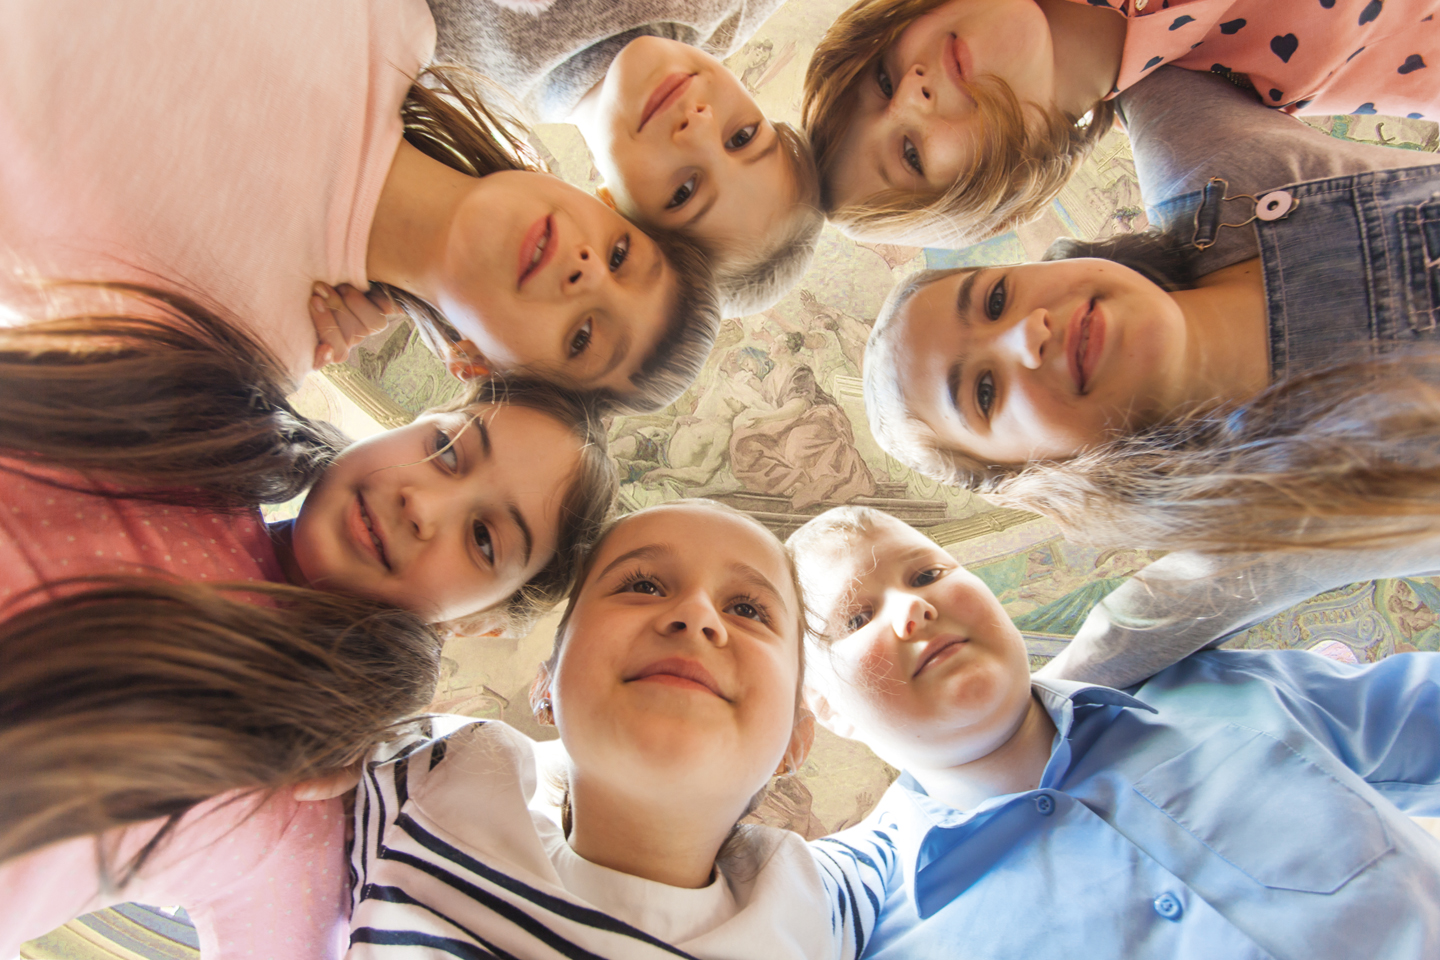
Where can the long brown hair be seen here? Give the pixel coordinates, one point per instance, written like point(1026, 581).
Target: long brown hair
point(1016, 172)
point(451, 116)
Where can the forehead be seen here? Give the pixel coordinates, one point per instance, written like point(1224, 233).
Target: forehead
point(722, 538)
point(878, 550)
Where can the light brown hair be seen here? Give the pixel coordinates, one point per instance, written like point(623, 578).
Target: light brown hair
point(448, 116)
point(1016, 172)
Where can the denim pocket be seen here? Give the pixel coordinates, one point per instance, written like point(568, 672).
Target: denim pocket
point(1419, 228)
point(1267, 811)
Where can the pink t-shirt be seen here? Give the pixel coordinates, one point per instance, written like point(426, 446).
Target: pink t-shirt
point(233, 148)
point(1316, 56)
point(269, 885)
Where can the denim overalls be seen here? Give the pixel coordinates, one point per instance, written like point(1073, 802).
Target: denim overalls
point(1351, 264)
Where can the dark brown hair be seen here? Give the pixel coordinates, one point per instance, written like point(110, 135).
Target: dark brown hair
point(1016, 172)
point(449, 117)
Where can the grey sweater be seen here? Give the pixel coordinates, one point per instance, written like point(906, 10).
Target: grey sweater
point(550, 60)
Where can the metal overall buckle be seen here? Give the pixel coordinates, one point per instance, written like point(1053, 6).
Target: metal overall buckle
point(1275, 205)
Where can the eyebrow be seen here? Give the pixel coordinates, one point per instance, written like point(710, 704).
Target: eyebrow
point(774, 145)
point(484, 433)
point(748, 574)
point(704, 209)
point(617, 356)
point(653, 551)
point(519, 519)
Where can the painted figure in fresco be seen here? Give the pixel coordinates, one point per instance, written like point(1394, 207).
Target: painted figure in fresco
point(803, 447)
point(1411, 614)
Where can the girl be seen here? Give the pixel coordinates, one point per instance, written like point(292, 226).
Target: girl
point(1000, 377)
point(201, 690)
point(673, 684)
point(327, 162)
point(943, 122)
point(672, 130)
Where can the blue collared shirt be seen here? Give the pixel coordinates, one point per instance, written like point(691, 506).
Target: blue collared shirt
point(1237, 804)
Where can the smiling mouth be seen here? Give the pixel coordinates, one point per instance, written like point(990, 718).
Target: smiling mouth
point(938, 649)
point(679, 672)
point(664, 95)
point(1084, 337)
point(369, 522)
point(958, 65)
point(536, 248)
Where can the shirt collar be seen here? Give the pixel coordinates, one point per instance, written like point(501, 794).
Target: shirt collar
point(925, 828)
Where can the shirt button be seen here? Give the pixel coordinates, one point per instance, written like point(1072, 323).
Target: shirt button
point(1045, 804)
point(1274, 205)
point(1168, 906)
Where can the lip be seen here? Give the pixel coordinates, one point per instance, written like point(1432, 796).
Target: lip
point(959, 64)
point(938, 649)
point(664, 95)
point(543, 230)
point(360, 532)
point(1084, 341)
point(679, 672)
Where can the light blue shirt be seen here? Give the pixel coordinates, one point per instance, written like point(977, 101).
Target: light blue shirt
point(1238, 804)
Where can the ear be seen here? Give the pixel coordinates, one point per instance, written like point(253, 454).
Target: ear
point(603, 192)
point(801, 740)
point(466, 362)
point(540, 693)
point(826, 715)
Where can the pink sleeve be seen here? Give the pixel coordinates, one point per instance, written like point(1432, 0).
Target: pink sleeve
point(271, 884)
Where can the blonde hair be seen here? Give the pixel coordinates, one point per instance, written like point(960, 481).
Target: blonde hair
point(1016, 173)
point(834, 529)
point(1341, 457)
point(449, 116)
point(751, 283)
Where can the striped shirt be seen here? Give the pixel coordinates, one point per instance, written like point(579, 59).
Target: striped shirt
point(454, 856)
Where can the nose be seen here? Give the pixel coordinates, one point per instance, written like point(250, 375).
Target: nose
point(421, 510)
point(693, 616)
point(586, 270)
point(696, 118)
point(907, 612)
point(1026, 339)
point(915, 90)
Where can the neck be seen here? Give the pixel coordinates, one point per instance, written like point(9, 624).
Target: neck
point(1088, 43)
point(1228, 348)
point(411, 230)
point(282, 538)
point(1013, 767)
point(647, 833)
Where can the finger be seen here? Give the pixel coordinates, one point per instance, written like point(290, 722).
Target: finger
point(370, 317)
point(385, 304)
point(327, 330)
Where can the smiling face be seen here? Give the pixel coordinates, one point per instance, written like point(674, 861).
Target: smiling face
point(916, 125)
point(1040, 360)
point(922, 665)
point(541, 275)
point(445, 517)
point(679, 666)
point(683, 146)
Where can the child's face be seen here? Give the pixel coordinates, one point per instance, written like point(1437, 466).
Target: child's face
point(1039, 360)
point(542, 275)
point(681, 662)
point(916, 126)
point(925, 667)
point(683, 146)
point(442, 534)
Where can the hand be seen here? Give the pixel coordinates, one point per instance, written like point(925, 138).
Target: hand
point(331, 785)
point(343, 316)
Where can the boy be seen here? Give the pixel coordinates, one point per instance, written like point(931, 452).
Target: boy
point(1237, 804)
point(679, 140)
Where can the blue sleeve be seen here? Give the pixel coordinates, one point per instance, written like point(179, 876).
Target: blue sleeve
point(1381, 720)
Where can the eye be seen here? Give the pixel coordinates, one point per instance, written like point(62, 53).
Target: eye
point(985, 393)
point(445, 450)
point(995, 300)
point(882, 80)
point(581, 340)
point(911, 156)
point(484, 541)
point(619, 253)
point(741, 137)
point(682, 193)
point(639, 583)
point(927, 577)
point(750, 610)
point(857, 620)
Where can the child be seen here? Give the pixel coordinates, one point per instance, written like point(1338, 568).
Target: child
point(308, 152)
point(679, 141)
point(949, 121)
point(674, 686)
point(1178, 818)
point(136, 451)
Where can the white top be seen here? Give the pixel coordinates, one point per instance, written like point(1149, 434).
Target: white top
point(230, 148)
point(455, 852)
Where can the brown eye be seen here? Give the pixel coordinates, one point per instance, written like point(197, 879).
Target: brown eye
point(995, 300)
point(985, 393)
